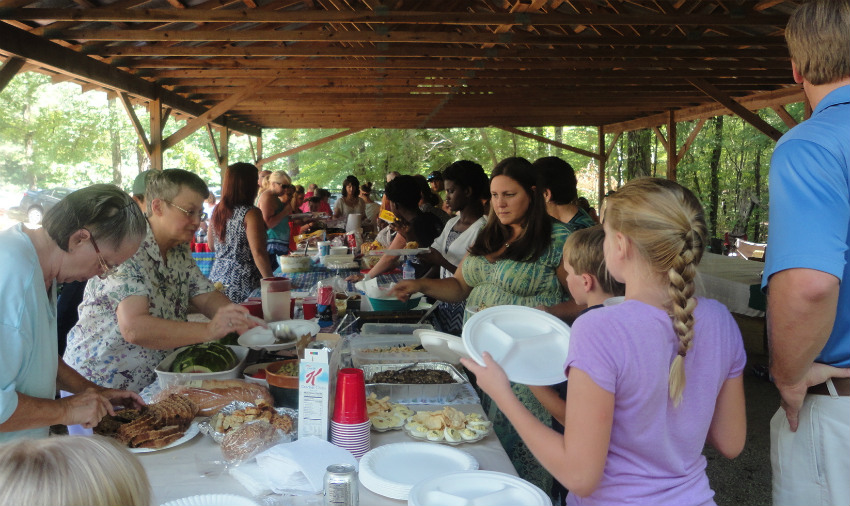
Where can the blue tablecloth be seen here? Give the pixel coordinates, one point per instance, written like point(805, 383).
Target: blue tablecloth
point(306, 281)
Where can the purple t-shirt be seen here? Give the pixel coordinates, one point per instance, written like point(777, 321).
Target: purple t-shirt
point(655, 454)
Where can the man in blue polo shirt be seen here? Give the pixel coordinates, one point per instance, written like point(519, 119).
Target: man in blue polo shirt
point(807, 271)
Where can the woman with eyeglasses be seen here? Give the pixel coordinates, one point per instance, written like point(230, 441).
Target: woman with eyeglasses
point(238, 235)
point(86, 234)
point(131, 320)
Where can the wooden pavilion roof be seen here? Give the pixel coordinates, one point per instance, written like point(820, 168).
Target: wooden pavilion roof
point(255, 64)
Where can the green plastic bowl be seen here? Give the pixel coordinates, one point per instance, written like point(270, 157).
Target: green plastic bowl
point(394, 304)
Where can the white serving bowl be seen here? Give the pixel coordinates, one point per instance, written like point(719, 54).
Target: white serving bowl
point(167, 378)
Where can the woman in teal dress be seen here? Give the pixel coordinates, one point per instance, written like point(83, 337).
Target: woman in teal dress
point(515, 260)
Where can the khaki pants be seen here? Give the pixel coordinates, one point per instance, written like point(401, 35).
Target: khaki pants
point(812, 466)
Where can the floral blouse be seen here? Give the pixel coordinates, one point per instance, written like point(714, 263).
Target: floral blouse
point(96, 348)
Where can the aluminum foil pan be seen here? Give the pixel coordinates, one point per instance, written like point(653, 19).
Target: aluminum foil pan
point(206, 426)
point(416, 394)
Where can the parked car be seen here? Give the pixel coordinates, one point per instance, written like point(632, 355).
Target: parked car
point(36, 202)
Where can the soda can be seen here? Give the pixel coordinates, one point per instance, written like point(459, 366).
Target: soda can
point(341, 488)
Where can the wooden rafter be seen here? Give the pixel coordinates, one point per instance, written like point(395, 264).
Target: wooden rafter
point(745, 114)
point(313, 144)
point(9, 70)
point(553, 143)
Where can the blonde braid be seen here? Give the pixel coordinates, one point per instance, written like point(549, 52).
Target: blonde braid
point(666, 223)
point(681, 292)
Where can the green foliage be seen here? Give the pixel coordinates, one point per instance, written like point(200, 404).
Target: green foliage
point(51, 135)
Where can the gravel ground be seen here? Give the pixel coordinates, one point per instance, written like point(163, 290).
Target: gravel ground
point(746, 479)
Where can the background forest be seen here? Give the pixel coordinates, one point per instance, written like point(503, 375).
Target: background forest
point(54, 135)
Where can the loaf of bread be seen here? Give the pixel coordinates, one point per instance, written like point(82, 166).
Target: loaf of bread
point(212, 395)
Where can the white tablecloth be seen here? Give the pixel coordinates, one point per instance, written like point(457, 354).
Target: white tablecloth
point(728, 280)
point(174, 473)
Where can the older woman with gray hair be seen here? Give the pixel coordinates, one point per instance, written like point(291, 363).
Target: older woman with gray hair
point(130, 321)
point(87, 234)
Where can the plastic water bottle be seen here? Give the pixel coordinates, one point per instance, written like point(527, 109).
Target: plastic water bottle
point(298, 310)
point(407, 272)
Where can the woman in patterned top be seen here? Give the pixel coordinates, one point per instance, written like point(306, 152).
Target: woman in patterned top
point(515, 260)
point(131, 320)
point(238, 234)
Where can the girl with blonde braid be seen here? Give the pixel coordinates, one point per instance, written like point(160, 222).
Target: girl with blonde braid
point(651, 380)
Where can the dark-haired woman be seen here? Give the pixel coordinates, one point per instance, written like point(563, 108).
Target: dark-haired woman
point(350, 202)
point(371, 208)
point(515, 260)
point(466, 186)
point(86, 234)
point(238, 235)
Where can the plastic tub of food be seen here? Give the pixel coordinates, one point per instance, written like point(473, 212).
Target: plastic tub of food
point(388, 349)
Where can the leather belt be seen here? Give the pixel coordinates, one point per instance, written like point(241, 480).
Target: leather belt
point(842, 387)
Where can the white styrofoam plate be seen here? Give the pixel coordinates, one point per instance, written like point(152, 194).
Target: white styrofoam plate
point(392, 470)
point(212, 500)
point(260, 338)
point(530, 345)
point(476, 487)
point(446, 346)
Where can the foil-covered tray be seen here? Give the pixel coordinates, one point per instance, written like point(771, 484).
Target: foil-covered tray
point(416, 393)
point(207, 426)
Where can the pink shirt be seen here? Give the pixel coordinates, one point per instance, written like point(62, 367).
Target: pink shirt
point(655, 454)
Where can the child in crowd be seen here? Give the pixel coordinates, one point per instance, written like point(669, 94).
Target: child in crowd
point(71, 471)
point(652, 379)
point(590, 285)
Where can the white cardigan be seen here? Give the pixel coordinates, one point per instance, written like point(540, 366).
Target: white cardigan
point(458, 249)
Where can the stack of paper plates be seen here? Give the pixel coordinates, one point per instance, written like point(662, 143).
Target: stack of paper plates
point(392, 470)
point(477, 487)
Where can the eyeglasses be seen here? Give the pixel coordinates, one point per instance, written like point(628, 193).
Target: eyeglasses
point(105, 269)
point(201, 215)
point(283, 185)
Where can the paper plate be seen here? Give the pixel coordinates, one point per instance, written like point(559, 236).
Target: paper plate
point(446, 346)
point(392, 470)
point(476, 487)
point(259, 338)
point(212, 500)
point(530, 345)
point(191, 432)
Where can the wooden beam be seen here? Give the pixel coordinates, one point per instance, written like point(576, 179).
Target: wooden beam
point(259, 156)
point(661, 138)
point(419, 37)
point(214, 112)
point(687, 145)
point(309, 145)
point(789, 120)
point(602, 160)
point(372, 17)
point(755, 101)
point(612, 145)
point(672, 158)
point(224, 143)
point(253, 153)
point(425, 51)
point(25, 45)
point(155, 112)
point(214, 145)
point(10, 70)
point(550, 141)
point(745, 114)
point(134, 120)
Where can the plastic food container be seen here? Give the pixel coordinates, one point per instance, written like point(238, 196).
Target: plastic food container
point(167, 378)
point(388, 349)
point(425, 393)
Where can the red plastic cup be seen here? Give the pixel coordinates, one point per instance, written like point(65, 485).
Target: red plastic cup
point(253, 307)
point(350, 401)
point(310, 308)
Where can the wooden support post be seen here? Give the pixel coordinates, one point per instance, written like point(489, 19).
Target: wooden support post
point(134, 120)
point(786, 118)
point(259, 157)
point(155, 110)
point(687, 145)
point(253, 153)
point(672, 156)
point(603, 158)
point(213, 143)
point(224, 141)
